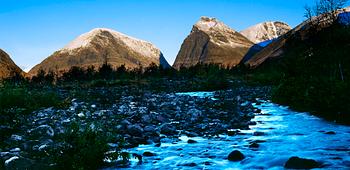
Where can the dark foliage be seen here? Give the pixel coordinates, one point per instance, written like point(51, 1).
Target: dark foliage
point(315, 73)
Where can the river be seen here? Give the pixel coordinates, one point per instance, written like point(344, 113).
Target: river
point(280, 133)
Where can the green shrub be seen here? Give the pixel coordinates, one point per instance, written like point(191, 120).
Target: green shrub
point(82, 148)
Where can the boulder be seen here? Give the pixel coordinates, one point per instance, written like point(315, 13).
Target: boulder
point(16, 162)
point(42, 131)
point(135, 130)
point(330, 133)
point(301, 163)
point(147, 153)
point(168, 129)
point(191, 141)
point(235, 156)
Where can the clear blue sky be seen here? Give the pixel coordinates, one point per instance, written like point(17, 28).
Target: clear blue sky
point(31, 30)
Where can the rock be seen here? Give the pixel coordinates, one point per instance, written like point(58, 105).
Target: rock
point(81, 115)
point(189, 164)
point(254, 145)
point(146, 119)
point(15, 150)
point(195, 114)
point(137, 156)
point(42, 131)
point(150, 128)
point(147, 153)
point(208, 163)
point(191, 141)
point(257, 110)
point(16, 162)
point(135, 130)
point(231, 132)
point(162, 119)
point(258, 134)
point(125, 123)
point(191, 134)
point(168, 129)
point(330, 133)
point(8, 161)
point(301, 163)
point(235, 156)
point(16, 138)
point(251, 123)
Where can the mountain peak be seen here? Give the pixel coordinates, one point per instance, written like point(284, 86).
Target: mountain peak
point(212, 42)
point(86, 38)
point(101, 45)
point(209, 23)
point(266, 31)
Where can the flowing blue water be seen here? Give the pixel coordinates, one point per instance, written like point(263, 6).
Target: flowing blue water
point(286, 133)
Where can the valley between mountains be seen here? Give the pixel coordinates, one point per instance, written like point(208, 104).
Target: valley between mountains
point(268, 96)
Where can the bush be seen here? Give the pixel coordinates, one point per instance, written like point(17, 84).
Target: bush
point(83, 148)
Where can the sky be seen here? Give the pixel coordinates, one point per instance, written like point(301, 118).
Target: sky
point(31, 30)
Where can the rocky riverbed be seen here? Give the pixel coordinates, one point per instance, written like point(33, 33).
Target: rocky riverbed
point(281, 139)
point(147, 118)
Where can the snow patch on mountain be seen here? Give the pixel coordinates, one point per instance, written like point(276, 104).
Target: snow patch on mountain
point(265, 31)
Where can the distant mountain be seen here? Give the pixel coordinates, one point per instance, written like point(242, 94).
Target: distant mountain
point(211, 41)
point(7, 67)
point(263, 33)
point(99, 46)
point(277, 48)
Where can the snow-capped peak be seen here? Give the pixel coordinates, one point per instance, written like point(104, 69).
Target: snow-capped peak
point(208, 23)
point(143, 47)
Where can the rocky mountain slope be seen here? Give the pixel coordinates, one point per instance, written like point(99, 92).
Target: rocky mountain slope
point(276, 48)
point(99, 46)
point(265, 31)
point(211, 41)
point(7, 67)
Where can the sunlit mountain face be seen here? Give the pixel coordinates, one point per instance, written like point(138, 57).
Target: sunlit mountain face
point(248, 89)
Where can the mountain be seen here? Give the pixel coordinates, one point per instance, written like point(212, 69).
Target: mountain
point(212, 42)
point(7, 67)
point(99, 46)
point(263, 33)
point(277, 48)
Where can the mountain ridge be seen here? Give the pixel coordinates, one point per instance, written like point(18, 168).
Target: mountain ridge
point(8, 68)
point(99, 46)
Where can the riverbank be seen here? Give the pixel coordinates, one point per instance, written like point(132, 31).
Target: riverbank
point(127, 118)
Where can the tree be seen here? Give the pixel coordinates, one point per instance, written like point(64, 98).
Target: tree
point(324, 11)
point(106, 71)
